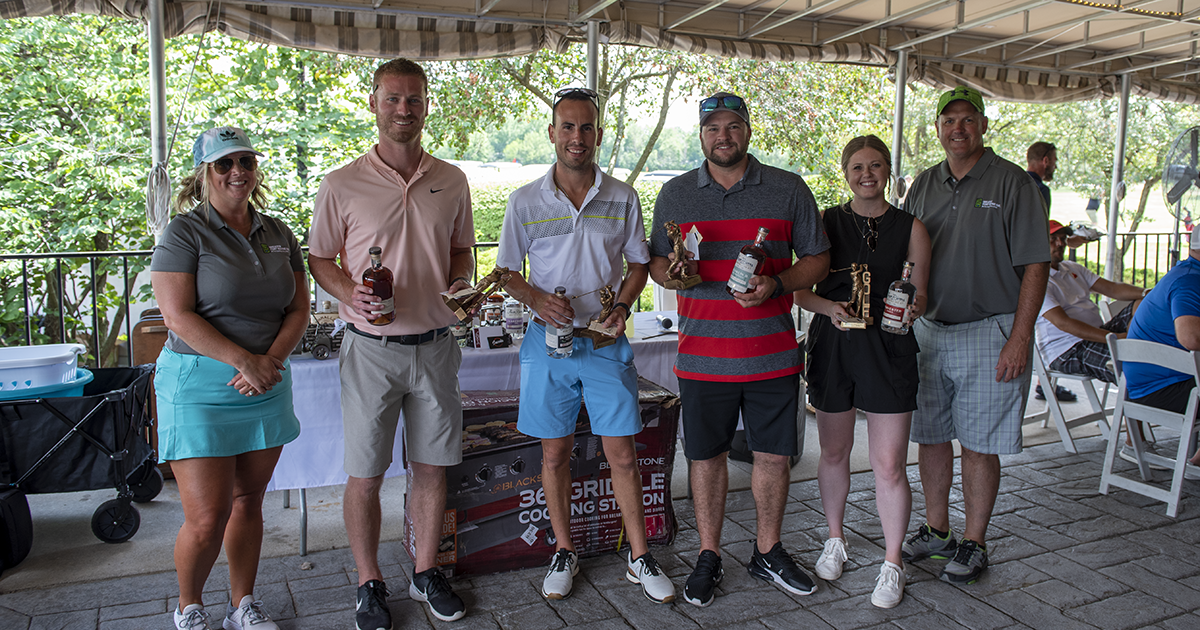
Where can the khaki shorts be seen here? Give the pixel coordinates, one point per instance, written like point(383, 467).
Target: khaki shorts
point(381, 381)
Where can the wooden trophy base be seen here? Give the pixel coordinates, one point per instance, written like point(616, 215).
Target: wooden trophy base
point(677, 284)
point(459, 302)
point(600, 336)
point(854, 323)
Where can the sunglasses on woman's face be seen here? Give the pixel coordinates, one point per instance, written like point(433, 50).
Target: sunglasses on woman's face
point(224, 165)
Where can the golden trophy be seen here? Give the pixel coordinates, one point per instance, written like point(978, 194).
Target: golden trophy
point(860, 298)
point(465, 303)
point(601, 335)
point(678, 277)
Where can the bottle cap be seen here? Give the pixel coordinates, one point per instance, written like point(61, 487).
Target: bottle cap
point(375, 251)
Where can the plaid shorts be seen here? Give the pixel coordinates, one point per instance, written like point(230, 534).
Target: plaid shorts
point(1091, 358)
point(959, 397)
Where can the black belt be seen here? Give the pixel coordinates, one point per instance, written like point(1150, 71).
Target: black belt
point(405, 340)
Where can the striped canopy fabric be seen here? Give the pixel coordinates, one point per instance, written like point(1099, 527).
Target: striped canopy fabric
point(477, 29)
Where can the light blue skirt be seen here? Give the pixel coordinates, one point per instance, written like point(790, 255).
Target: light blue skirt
point(200, 416)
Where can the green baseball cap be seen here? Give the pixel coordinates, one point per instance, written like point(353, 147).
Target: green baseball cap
point(961, 93)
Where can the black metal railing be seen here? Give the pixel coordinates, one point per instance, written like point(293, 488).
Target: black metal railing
point(52, 318)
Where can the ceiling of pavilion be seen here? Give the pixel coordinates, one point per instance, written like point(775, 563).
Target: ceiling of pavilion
point(1030, 50)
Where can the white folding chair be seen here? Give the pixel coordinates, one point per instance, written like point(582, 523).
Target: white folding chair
point(1049, 380)
point(1137, 351)
point(1109, 308)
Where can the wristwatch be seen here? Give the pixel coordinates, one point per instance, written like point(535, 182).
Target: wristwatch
point(625, 306)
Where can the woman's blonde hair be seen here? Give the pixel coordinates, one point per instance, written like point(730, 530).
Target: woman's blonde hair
point(193, 190)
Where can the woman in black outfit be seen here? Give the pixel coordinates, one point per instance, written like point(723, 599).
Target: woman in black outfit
point(867, 369)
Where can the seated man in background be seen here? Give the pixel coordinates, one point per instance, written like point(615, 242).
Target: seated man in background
point(1070, 331)
point(1170, 315)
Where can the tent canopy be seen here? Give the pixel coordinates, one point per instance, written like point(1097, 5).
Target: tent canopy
point(1026, 50)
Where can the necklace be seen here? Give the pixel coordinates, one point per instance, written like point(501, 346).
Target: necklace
point(870, 234)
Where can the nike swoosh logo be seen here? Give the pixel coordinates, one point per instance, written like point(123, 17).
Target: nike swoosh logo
point(436, 191)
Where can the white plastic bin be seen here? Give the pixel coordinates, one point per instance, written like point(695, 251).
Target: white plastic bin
point(26, 367)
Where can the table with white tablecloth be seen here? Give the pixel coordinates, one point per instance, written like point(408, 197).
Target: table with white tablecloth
point(315, 458)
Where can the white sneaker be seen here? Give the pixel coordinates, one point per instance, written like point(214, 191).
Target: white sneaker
point(829, 565)
point(1128, 455)
point(248, 615)
point(194, 617)
point(655, 584)
point(889, 586)
point(563, 567)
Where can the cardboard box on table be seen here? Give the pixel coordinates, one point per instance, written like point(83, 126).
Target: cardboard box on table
point(496, 517)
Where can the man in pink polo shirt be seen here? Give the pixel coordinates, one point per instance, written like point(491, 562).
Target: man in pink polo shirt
point(417, 210)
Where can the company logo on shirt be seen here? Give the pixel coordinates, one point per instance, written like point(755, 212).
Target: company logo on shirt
point(274, 249)
point(986, 203)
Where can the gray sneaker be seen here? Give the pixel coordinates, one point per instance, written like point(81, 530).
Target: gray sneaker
point(968, 564)
point(926, 544)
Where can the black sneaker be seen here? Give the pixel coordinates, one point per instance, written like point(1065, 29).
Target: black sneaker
point(371, 609)
point(701, 585)
point(778, 567)
point(968, 564)
point(431, 587)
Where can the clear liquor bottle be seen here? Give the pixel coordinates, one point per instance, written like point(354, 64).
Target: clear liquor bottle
point(749, 263)
point(380, 281)
point(900, 295)
point(514, 318)
point(560, 341)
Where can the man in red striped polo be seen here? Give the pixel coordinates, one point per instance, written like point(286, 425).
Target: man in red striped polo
point(737, 351)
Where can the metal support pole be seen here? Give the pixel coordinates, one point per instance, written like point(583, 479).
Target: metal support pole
point(898, 123)
point(1118, 180)
point(593, 54)
point(158, 84)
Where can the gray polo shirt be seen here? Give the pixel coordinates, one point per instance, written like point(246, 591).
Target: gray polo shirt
point(985, 228)
point(242, 285)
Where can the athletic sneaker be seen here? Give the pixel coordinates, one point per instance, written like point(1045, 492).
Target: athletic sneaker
point(926, 544)
point(889, 586)
point(370, 607)
point(778, 567)
point(829, 565)
point(248, 615)
point(431, 587)
point(656, 585)
point(1128, 455)
point(193, 617)
point(701, 585)
point(563, 568)
point(968, 564)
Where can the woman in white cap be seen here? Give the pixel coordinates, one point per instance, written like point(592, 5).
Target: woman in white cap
point(232, 288)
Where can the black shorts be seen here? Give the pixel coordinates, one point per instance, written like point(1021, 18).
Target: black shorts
point(869, 370)
point(768, 411)
point(1174, 397)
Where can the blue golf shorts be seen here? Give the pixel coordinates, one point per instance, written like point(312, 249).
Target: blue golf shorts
point(552, 389)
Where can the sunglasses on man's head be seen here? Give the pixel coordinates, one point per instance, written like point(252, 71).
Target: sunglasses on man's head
point(224, 165)
point(592, 95)
point(728, 102)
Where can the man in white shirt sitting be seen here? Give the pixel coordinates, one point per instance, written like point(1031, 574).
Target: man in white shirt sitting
point(1070, 331)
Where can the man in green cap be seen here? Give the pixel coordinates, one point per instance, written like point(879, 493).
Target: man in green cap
point(991, 259)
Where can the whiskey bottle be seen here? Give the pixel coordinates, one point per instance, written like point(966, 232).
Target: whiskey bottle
point(895, 306)
point(378, 279)
point(749, 263)
point(560, 341)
